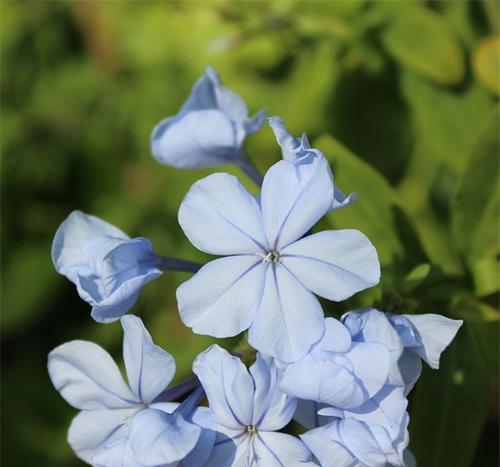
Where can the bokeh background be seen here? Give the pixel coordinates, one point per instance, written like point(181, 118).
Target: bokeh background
point(402, 96)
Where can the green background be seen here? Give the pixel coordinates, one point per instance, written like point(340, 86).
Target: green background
point(402, 97)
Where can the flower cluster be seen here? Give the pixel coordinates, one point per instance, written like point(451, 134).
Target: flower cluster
point(345, 381)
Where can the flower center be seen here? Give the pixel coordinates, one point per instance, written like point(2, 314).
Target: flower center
point(272, 257)
point(251, 429)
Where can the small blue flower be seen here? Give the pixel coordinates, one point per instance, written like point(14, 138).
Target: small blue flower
point(248, 408)
point(122, 424)
point(267, 282)
point(208, 130)
point(338, 371)
point(108, 268)
point(410, 339)
point(374, 435)
point(294, 149)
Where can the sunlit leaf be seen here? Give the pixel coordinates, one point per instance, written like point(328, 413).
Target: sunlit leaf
point(416, 276)
point(372, 212)
point(476, 208)
point(423, 42)
point(486, 62)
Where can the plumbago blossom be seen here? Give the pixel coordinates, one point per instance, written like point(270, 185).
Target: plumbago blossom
point(129, 425)
point(108, 267)
point(248, 408)
point(373, 433)
point(267, 282)
point(208, 130)
point(345, 381)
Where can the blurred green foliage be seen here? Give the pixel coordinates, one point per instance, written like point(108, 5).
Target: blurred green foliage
point(401, 95)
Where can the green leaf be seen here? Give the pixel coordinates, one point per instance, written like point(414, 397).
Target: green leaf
point(449, 123)
point(372, 212)
point(471, 309)
point(475, 213)
point(448, 408)
point(416, 276)
point(486, 63)
point(447, 127)
point(415, 199)
point(423, 42)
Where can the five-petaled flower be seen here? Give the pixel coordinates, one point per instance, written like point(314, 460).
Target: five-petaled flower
point(129, 425)
point(267, 282)
point(248, 408)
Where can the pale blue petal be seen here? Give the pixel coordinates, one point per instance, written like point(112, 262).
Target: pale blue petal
point(116, 282)
point(392, 449)
point(341, 201)
point(202, 417)
point(77, 229)
point(373, 326)
point(87, 377)
point(195, 139)
point(294, 197)
point(115, 451)
point(370, 364)
point(209, 128)
point(307, 414)
point(230, 103)
point(221, 217)
point(323, 381)
point(90, 428)
point(108, 312)
point(293, 149)
point(289, 320)
point(255, 123)
point(279, 450)
point(272, 408)
point(150, 369)
point(359, 440)
point(337, 337)
point(387, 409)
point(329, 453)
point(409, 459)
point(410, 368)
point(334, 264)
point(221, 299)
point(228, 385)
point(436, 333)
point(342, 380)
point(158, 438)
point(227, 452)
point(287, 142)
point(203, 95)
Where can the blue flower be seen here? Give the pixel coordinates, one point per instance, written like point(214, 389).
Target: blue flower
point(122, 424)
point(338, 371)
point(248, 408)
point(294, 149)
point(208, 130)
point(108, 268)
point(267, 282)
point(410, 339)
point(373, 435)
